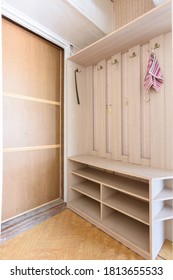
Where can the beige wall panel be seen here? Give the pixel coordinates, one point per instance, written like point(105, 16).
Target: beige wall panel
point(101, 118)
point(95, 110)
point(108, 108)
point(145, 107)
point(116, 72)
point(89, 108)
point(127, 10)
point(168, 103)
point(28, 123)
point(157, 113)
point(125, 107)
point(31, 178)
point(36, 69)
point(79, 135)
point(134, 105)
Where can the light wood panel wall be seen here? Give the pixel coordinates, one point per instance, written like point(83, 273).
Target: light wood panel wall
point(33, 121)
point(139, 124)
point(127, 10)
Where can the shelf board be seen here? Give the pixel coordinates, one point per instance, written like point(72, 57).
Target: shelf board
point(87, 206)
point(138, 171)
point(165, 194)
point(166, 213)
point(153, 23)
point(88, 188)
point(129, 206)
point(131, 187)
point(131, 230)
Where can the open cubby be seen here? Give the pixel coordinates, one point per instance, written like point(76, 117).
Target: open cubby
point(127, 228)
point(123, 203)
point(133, 188)
point(90, 189)
point(87, 205)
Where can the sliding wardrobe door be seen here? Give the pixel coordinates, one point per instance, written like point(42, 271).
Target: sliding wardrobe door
point(32, 121)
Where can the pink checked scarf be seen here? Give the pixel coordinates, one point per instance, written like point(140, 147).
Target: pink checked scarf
point(153, 77)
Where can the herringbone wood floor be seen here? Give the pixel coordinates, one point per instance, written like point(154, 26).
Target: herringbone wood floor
point(67, 236)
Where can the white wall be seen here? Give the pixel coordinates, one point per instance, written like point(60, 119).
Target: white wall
point(98, 11)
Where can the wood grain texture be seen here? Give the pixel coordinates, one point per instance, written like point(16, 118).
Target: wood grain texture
point(134, 105)
point(157, 112)
point(30, 123)
point(116, 71)
point(31, 178)
point(128, 10)
point(101, 118)
point(155, 22)
point(31, 60)
point(51, 241)
point(22, 223)
point(33, 115)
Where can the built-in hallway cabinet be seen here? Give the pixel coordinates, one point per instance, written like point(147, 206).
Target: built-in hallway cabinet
point(119, 137)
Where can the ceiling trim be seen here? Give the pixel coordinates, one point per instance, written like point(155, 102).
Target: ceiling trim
point(32, 25)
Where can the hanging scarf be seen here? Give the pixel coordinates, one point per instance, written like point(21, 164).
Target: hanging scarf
point(153, 77)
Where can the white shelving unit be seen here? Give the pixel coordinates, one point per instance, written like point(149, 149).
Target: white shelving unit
point(131, 201)
point(125, 206)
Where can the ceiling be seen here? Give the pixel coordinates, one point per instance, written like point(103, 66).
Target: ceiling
point(61, 18)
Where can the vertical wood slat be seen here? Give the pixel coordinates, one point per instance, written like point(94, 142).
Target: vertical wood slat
point(168, 103)
point(89, 110)
point(116, 106)
point(124, 109)
point(134, 105)
point(95, 113)
point(145, 108)
point(101, 121)
point(157, 112)
point(108, 110)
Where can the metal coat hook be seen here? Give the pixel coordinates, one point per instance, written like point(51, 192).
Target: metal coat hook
point(156, 46)
point(147, 99)
point(133, 55)
point(100, 68)
point(115, 62)
point(76, 87)
point(126, 101)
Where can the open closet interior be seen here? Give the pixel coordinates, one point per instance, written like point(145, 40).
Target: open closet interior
point(119, 137)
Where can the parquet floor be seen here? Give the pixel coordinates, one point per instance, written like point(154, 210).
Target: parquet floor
point(66, 236)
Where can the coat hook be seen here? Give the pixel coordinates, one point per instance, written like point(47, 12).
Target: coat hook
point(133, 55)
point(126, 101)
point(100, 68)
point(115, 62)
point(156, 46)
point(77, 70)
point(147, 99)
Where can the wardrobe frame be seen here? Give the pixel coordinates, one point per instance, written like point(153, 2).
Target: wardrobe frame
point(95, 178)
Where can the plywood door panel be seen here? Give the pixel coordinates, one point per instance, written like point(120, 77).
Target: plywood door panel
point(33, 120)
point(29, 59)
point(134, 105)
point(157, 112)
point(30, 123)
point(30, 179)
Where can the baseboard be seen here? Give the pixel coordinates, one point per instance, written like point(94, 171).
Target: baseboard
point(15, 226)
